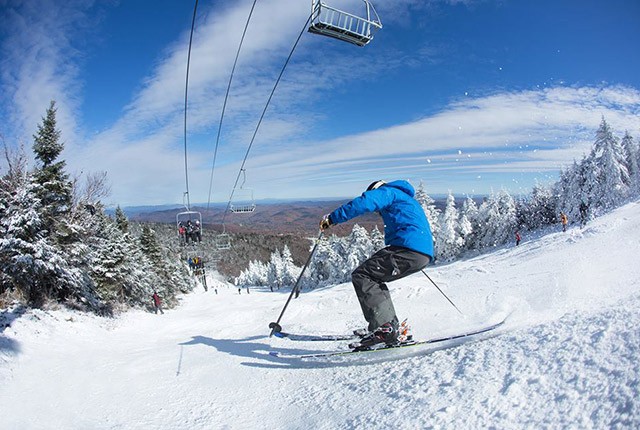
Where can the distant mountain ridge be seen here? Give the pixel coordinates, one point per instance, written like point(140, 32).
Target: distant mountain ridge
point(297, 217)
point(272, 216)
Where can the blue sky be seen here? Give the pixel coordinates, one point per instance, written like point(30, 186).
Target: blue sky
point(466, 96)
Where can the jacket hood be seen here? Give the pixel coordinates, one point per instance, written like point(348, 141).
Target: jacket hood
point(403, 186)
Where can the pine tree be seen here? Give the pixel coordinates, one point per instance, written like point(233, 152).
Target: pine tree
point(497, 219)
point(121, 220)
point(359, 247)
point(430, 209)
point(632, 158)
point(538, 210)
point(613, 181)
point(327, 266)
point(290, 271)
point(256, 274)
point(275, 270)
point(30, 264)
point(449, 242)
point(468, 215)
point(468, 223)
point(54, 188)
point(377, 239)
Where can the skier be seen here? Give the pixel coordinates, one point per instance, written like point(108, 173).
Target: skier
point(182, 231)
point(564, 220)
point(518, 238)
point(583, 213)
point(409, 248)
point(157, 303)
point(196, 234)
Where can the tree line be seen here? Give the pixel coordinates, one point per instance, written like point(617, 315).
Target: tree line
point(57, 244)
point(605, 178)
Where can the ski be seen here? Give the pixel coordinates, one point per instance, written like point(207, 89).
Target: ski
point(315, 337)
point(434, 344)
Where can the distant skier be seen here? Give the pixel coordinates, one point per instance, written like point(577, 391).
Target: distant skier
point(583, 214)
point(157, 303)
point(518, 238)
point(182, 232)
point(564, 220)
point(196, 233)
point(409, 249)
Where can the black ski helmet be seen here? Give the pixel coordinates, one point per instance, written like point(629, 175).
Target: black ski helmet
point(375, 185)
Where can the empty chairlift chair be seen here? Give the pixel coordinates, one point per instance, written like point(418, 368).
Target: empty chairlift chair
point(243, 201)
point(223, 241)
point(332, 22)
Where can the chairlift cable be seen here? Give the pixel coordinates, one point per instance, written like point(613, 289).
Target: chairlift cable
point(224, 105)
point(186, 100)
point(264, 111)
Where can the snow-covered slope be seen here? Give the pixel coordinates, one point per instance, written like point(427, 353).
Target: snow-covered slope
point(567, 357)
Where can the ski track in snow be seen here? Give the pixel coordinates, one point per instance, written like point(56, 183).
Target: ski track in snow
point(566, 358)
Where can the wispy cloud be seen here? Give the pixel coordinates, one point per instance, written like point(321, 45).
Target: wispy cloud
point(40, 63)
point(529, 132)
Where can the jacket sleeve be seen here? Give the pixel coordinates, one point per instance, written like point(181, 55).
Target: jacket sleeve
point(369, 201)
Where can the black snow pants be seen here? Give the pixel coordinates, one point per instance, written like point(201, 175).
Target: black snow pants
point(388, 264)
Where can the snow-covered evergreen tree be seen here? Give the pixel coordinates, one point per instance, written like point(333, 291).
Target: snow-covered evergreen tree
point(449, 242)
point(359, 247)
point(327, 266)
point(431, 211)
point(255, 274)
point(468, 223)
point(613, 180)
point(632, 159)
point(538, 209)
point(30, 263)
point(53, 185)
point(377, 239)
point(577, 188)
point(468, 215)
point(497, 219)
point(121, 220)
point(290, 271)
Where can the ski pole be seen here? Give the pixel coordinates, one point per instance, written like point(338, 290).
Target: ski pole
point(275, 326)
point(442, 292)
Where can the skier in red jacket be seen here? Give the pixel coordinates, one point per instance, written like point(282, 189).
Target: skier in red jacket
point(157, 303)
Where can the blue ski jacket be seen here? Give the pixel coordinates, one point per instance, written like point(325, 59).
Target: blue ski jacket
point(405, 223)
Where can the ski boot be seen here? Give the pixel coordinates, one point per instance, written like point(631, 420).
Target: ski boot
point(387, 334)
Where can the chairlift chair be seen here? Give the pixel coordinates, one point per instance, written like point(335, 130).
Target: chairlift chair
point(215, 256)
point(243, 201)
point(183, 218)
point(332, 22)
point(223, 241)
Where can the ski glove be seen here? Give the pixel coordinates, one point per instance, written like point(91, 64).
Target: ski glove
point(325, 223)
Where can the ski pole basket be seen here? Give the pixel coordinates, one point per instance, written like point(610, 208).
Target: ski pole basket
point(331, 22)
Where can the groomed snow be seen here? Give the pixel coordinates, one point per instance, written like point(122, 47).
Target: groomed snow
point(566, 358)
